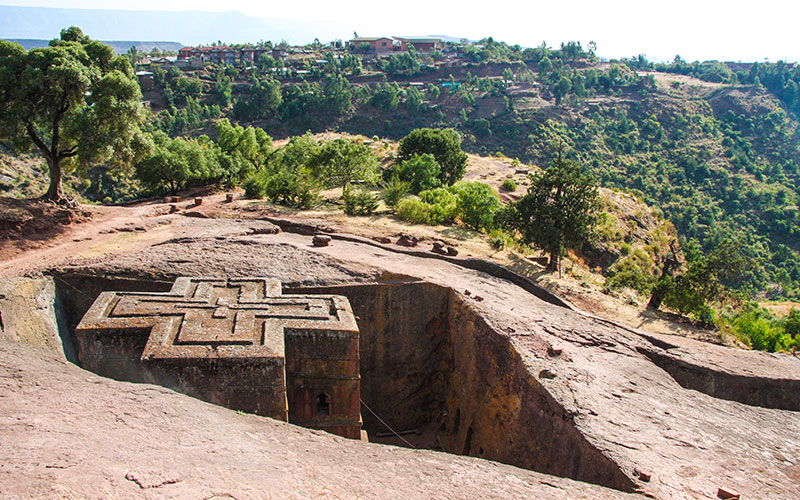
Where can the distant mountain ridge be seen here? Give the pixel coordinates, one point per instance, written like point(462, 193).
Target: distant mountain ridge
point(191, 28)
point(119, 46)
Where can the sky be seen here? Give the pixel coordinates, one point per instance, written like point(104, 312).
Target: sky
point(695, 29)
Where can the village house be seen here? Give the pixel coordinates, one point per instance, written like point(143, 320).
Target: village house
point(421, 44)
point(377, 45)
point(222, 54)
point(145, 80)
point(251, 54)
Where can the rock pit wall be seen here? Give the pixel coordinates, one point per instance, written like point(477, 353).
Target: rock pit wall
point(28, 314)
point(498, 409)
point(426, 357)
point(766, 392)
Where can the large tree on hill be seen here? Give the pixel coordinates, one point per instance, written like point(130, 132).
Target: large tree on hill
point(339, 162)
point(443, 144)
point(703, 281)
point(558, 212)
point(75, 101)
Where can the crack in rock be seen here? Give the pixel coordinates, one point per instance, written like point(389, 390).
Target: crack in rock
point(130, 477)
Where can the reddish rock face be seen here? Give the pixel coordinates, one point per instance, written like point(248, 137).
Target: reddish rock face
point(234, 342)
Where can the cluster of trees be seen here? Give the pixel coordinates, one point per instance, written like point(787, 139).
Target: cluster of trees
point(761, 330)
point(558, 212)
point(491, 50)
point(173, 164)
point(781, 78)
point(747, 193)
point(563, 80)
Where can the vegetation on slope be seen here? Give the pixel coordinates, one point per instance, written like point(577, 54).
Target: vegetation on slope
point(714, 146)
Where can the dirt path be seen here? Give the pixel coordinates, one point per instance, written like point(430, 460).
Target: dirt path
point(111, 229)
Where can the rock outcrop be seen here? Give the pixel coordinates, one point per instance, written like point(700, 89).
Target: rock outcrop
point(672, 418)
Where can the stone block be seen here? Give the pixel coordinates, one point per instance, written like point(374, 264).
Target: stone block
point(406, 240)
point(321, 240)
point(727, 494)
point(239, 343)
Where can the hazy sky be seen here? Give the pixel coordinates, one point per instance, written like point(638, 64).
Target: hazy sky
point(696, 29)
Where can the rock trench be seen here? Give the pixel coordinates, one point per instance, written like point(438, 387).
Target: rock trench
point(465, 383)
point(602, 409)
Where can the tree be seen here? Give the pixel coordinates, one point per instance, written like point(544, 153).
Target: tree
point(545, 66)
point(421, 171)
point(559, 211)
point(443, 144)
point(476, 205)
point(561, 88)
point(223, 88)
point(177, 163)
point(132, 54)
point(265, 98)
point(702, 281)
point(340, 162)
point(74, 100)
point(508, 76)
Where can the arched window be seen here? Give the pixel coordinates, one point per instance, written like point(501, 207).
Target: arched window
point(323, 405)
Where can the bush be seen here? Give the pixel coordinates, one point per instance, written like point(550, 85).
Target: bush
point(477, 204)
point(413, 210)
point(761, 333)
point(443, 144)
point(297, 190)
point(632, 271)
point(255, 185)
point(395, 190)
point(421, 171)
point(443, 205)
point(497, 239)
point(509, 185)
point(361, 203)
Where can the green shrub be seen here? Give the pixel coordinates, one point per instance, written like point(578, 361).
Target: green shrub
point(762, 334)
point(395, 190)
point(361, 203)
point(255, 185)
point(285, 187)
point(421, 171)
point(443, 144)
point(497, 242)
point(509, 185)
point(477, 204)
point(443, 205)
point(413, 210)
point(791, 324)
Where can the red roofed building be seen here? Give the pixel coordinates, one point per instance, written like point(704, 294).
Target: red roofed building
point(377, 45)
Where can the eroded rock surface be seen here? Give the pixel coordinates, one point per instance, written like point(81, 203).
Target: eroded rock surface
point(627, 408)
point(607, 412)
point(68, 433)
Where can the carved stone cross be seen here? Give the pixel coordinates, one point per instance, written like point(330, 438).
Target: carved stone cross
point(239, 343)
point(206, 317)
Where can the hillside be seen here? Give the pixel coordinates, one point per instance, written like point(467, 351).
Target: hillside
point(714, 147)
point(717, 154)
